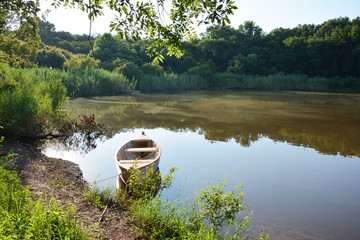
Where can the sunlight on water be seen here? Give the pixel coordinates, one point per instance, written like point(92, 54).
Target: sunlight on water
point(297, 155)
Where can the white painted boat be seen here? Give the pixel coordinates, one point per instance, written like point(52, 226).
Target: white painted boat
point(140, 152)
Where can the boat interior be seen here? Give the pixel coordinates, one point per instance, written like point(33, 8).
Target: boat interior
point(141, 150)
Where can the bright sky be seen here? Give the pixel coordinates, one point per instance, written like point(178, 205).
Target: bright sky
point(268, 14)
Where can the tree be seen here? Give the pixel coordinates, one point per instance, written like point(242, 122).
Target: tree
point(16, 10)
point(80, 62)
point(153, 21)
point(221, 32)
point(152, 69)
point(217, 50)
point(50, 57)
point(250, 29)
point(19, 39)
point(204, 69)
point(129, 69)
point(72, 42)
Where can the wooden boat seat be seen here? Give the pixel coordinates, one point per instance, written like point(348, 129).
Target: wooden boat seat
point(141, 150)
point(138, 161)
point(142, 140)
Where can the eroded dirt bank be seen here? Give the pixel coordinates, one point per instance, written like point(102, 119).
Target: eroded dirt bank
point(64, 180)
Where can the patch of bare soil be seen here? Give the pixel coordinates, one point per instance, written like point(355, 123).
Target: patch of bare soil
point(64, 180)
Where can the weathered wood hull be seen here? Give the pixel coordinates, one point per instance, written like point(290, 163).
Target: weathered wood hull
point(141, 152)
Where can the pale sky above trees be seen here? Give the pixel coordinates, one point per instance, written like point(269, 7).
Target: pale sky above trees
point(268, 14)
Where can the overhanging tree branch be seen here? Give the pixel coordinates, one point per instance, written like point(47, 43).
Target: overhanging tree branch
point(145, 20)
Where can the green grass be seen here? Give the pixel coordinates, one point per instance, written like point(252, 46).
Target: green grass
point(32, 100)
point(22, 217)
point(211, 214)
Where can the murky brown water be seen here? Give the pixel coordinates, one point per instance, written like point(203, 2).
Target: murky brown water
point(297, 154)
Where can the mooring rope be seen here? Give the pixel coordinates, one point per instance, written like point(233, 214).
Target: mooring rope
point(102, 180)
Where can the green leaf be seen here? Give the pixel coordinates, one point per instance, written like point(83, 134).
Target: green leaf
point(124, 8)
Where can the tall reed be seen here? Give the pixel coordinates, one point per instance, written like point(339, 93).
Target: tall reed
point(274, 82)
point(97, 82)
point(171, 81)
point(30, 107)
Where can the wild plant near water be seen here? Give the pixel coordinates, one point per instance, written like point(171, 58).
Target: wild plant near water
point(22, 217)
point(33, 105)
point(211, 214)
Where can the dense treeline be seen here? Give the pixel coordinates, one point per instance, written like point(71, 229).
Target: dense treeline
point(311, 52)
point(329, 49)
point(64, 40)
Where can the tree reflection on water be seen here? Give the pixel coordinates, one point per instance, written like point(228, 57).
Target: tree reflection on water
point(326, 122)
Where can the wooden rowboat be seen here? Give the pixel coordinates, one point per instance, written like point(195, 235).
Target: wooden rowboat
point(140, 152)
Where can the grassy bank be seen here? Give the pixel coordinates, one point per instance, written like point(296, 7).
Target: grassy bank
point(31, 101)
point(211, 214)
point(23, 217)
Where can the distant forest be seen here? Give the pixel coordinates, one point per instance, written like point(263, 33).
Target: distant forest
point(324, 57)
point(328, 50)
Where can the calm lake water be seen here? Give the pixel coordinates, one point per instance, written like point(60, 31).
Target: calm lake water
point(296, 154)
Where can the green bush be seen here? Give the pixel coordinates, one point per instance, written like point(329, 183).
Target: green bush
point(205, 69)
point(129, 69)
point(33, 104)
point(152, 69)
point(50, 57)
point(211, 214)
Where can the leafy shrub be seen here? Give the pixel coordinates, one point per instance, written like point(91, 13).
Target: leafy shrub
point(152, 69)
point(205, 69)
point(211, 214)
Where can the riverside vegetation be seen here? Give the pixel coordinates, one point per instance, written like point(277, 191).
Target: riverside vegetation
point(40, 70)
point(23, 217)
point(309, 57)
point(31, 104)
point(212, 214)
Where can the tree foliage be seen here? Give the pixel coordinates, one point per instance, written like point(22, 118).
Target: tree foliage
point(71, 42)
point(19, 39)
point(81, 62)
point(155, 21)
point(51, 57)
